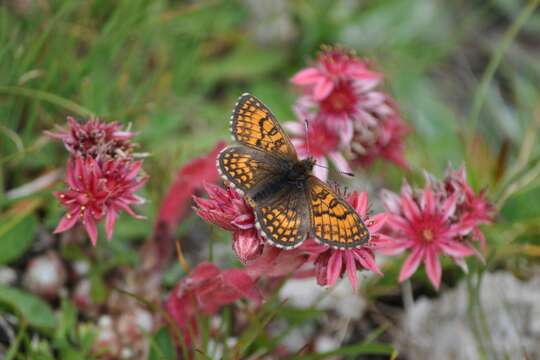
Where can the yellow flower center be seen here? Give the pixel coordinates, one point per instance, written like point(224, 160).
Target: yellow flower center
point(428, 234)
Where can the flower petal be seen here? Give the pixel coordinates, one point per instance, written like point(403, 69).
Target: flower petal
point(411, 264)
point(66, 223)
point(409, 207)
point(350, 266)
point(322, 89)
point(367, 260)
point(334, 267)
point(455, 248)
point(376, 223)
point(306, 77)
point(428, 201)
point(243, 284)
point(449, 206)
point(360, 203)
point(90, 226)
point(110, 220)
point(247, 245)
point(433, 267)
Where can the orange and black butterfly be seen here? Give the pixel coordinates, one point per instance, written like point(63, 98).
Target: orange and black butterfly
point(289, 202)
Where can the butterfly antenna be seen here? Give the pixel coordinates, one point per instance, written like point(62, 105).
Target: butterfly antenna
point(306, 128)
point(341, 172)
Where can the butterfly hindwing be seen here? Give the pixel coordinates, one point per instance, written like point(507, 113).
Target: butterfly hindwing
point(246, 168)
point(334, 222)
point(284, 220)
point(254, 125)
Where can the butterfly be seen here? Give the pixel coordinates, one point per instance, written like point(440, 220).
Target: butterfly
point(289, 202)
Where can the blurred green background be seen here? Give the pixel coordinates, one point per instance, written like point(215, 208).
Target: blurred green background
point(465, 75)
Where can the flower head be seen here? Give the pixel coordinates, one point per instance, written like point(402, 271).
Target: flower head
point(330, 263)
point(428, 222)
point(96, 139)
point(95, 192)
point(227, 209)
point(102, 176)
point(342, 91)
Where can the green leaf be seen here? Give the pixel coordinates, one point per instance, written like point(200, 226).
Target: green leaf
point(98, 290)
point(520, 207)
point(16, 235)
point(161, 346)
point(245, 62)
point(32, 309)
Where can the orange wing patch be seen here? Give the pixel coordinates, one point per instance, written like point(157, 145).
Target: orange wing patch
point(239, 168)
point(254, 125)
point(334, 221)
point(285, 224)
point(243, 167)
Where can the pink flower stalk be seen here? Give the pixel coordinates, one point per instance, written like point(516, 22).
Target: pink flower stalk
point(207, 289)
point(227, 209)
point(320, 142)
point(330, 263)
point(341, 90)
point(96, 192)
point(94, 138)
point(428, 223)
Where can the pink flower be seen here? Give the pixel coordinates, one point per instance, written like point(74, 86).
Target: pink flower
point(474, 208)
point(333, 68)
point(102, 176)
point(429, 222)
point(320, 142)
point(330, 263)
point(343, 92)
point(94, 138)
point(207, 289)
point(227, 209)
point(340, 88)
point(96, 192)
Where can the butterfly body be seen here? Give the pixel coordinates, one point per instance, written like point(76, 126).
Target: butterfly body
point(294, 175)
point(289, 202)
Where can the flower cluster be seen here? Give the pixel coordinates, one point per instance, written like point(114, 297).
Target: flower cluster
point(346, 113)
point(102, 175)
point(227, 209)
point(443, 218)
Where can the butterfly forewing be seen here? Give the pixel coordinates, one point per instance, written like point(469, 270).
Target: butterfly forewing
point(254, 125)
point(334, 222)
point(246, 168)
